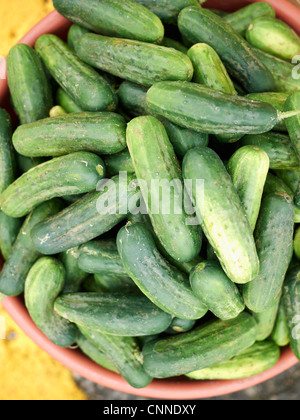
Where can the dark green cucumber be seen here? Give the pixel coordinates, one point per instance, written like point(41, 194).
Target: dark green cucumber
point(201, 25)
point(113, 18)
point(179, 326)
point(278, 147)
point(40, 298)
point(65, 100)
point(9, 229)
point(124, 353)
point(162, 283)
point(91, 216)
point(101, 133)
point(280, 334)
point(293, 124)
point(126, 315)
point(212, 343)
point(133, 98)
point(108, 283)
point(115, 56)
point(76, 173)
point(276, 185)
point(119, 162)
point(290, 177)
point(84, 84)
point(248, 168)
point(274, 242)
point(211, 285)
point(24, 254)
point(74, 35)
point(26, 163)
point(29, 85)
point(74, 275)
point(7, 158)
point(221, 214)
point(172, 43)
point(257, 359)
point(266, 322)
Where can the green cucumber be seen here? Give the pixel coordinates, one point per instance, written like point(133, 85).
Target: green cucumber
point(9, 229)
point(297, 197)
point(119, 162)
point(276, 185)
point(221, 214)
point(297, 215)
point(133, 98)
point(293, 124)
point(297, 243)
point(101, 133)
point(89, 217)
point(7, 158)
point(74, 34)
point(24, 254)
point(76, 173)
point(40, 298)
point(211, 285)
point(179, 326)
point(248, 168)
point(274, 242)
point(251, 362)
point(103, 283)
point(266, 322)
point(290, 177)
point(29, 85)
point(56, 111)
point(280, 334)
point(65, 100)
point(201, 25)
point(211, 343)
point(74, 275)
point(84, 84)
point(274, 37)
point(152, 63)
point(172, 43)
point(26, 163)
point(162, 283)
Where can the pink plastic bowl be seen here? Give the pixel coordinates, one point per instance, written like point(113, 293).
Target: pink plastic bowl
point(178, 388)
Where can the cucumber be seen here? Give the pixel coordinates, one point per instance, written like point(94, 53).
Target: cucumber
point(293, 124)
point(7, 158)
point(297, 243)
point(179, 326)
point(126, 315)
point(221, 214)
point(211, 285)
point(103, 283)
point(84, 84)
point(162, 283)
point(242, 18)
point(26, 163)
point(124, 353)
point(266, 322)
point(172, 43)
point(278, 147)
point(56, 111)
point(29, 85)
point(133, 98)
point(251, 362)
point(74, 275)
point(248, 168)
point(274, 37)
point(276, 185)
point(65, 100)
point(115, 56)
point(40, 298)
point(91, 216)
point(274, 242)
point(119, 162)
point(24, 254)
point(211, 343)
point(292, 307)
point(297, 197)
point(290, 177)
point(101, 133)
point(201, 25)
point(155, 161)
point(74, 34)
point(297, 215)
point(9, 229)
point(113, 18)
point(280, 334)
point(76, 173)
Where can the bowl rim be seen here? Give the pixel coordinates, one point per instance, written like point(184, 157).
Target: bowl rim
point(77, 362)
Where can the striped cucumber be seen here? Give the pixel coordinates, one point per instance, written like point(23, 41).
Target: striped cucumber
point(293, 124)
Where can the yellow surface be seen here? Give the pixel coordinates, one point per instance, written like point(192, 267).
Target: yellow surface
point(17, 17)
point(27, 372)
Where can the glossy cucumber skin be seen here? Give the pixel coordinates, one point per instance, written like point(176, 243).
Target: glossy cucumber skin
point(200, 348)
point(266, 321)
point(114, 55)
point(201, 25)
point(24, 254)
point(280, 334)
point(162, 283)
point(74, 34)
point(28, 83)
point(87, 218)
point(7, 158)
point(9, 229)
point(102, 133)
point(83, 83)
point(248, 168)
point(154, 160)
point(119, 162)
point(220, 113)
point(74, 275)
point(293, 123)
point(40, 298)
point(65, 100)
point(218, 204)
point(76, 173)
point(274, 242)
point(168, 11)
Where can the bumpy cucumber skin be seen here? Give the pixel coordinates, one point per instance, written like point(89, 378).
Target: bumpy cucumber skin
point(101, 133)
point(76, 173)
point(9, 229)
point(84, 84)
point(74, 34)
point(274, 242)
point(28, 84)
point(154, 158)
point(124, 353)
point(40, 298)
point(74, 275)
point(167, 10)
point(114, 55)
point(266, 321)
point(248, 168)
point(200, 348)
point(65, 100)
point(179, 326)
point(119, 162)
point(7, 158)
point(81, 222)
point(221, 206)
point(201, 25)
point(221, 113)
point(24, 254)
point(297, 243)
point(280, 334)
point(293, 123)
point(257, 359)
point(162, 283)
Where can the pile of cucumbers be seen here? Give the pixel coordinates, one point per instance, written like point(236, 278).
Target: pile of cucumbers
point(162, 92)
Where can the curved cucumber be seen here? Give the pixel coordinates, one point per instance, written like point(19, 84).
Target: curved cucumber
point(7, 158)
point(266, 322)
point(74, 275)
point(9, 229)
point(65, 101)
point(280, 334)
point(293, 124)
